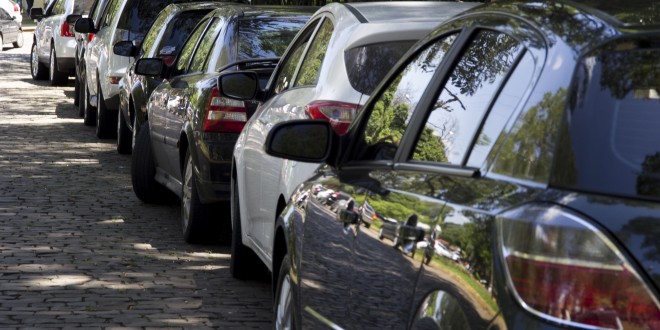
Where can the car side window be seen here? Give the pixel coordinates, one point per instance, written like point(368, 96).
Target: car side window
point(205, 45)
point(311, 65)
point(188, 48)
point(290, 63)
point(110, 12)
point(456, 116)
point(392, 109)
point(152, 34)
point(59, 7)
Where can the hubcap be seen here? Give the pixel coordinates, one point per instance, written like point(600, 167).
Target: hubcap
point(186, 198)
point(284, 317)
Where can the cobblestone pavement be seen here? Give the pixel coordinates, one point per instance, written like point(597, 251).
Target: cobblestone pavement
point(78, 248)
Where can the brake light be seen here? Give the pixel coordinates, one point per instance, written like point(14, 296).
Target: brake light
point(224, 115)
point(17, 9)
point(90, 36)
point(66, 30)
point(339, 114)
point(564, 269)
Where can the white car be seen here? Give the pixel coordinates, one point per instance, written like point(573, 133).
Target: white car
point(13, 10)
point(54, 46)
point(328, 72)
point(121, 20)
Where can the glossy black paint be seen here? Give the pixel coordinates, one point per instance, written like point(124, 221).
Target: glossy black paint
point(351, 276)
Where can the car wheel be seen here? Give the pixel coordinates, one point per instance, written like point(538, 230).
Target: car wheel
point(2, 43)
point(367, 225)
point(283, 307)
point(56, 77)
point(88, 110)
point(104, 120)
point(19, 42)
point(124, 135)
point(244, 262)
point(39, 70)
point(395, 242)
point(380, 234)
point(136, 131)
point(143, 171)
point(196, 218)
point(76, 92)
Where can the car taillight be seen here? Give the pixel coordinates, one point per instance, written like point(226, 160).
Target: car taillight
point(224, 115)
point(564, 269)
point(90, 36)
point(66, 30)
point(17, 9)
point(339, 114)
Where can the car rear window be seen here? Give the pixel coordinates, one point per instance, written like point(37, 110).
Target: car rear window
point(139, 15)
point(610, 142)
point(178, 31)
point(265, 38)
point(367, 65)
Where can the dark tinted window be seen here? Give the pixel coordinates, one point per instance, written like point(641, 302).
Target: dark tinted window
point(367, 65)
point(176, 33)
point(611, 142)
point(465, 98)
point(204, 47)
point(263, 38)
point(290, 63)
point(188, 48)
point(391, 112)
point(82, 6)
point(311, 66)
point(4, 14)
point(139, 15)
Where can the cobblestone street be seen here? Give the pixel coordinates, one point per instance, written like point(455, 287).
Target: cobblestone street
point(78, 248)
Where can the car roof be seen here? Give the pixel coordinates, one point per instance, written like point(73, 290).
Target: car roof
point(406, 11)
point(258, 11)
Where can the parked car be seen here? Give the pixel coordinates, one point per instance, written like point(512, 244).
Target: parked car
point(82, 39)
point(13, 10)
point(368, 215)
point(121, 20)
point(327, 73)
point(529, 135)
point(53, 46)
point(163, 40)
point(185, 144)
point(10, 31)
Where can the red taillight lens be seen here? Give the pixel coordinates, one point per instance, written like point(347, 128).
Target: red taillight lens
point(17, 9)
point(90, 36)
point(564, 269)
point(66, 30)
point(224, 115)
point(340, 115)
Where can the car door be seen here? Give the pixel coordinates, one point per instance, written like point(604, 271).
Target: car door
point(292, 89)
point(44, 31)
point(167, 102)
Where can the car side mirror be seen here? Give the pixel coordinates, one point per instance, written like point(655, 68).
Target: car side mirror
point(242, 86)
point(71, 19)
point(84, 25)
point(151, 67)
point(36, 13)
point(301, 140)
point(124, 48)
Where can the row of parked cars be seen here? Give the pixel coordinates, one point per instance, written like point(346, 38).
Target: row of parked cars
point(515, 143)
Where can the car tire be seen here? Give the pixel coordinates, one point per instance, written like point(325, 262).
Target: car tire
point(105, 123)
point(56, 77)
point(2, 43)
point(395, 242)
point(124, 135)
point(283, 306)
point(380, 234)
point(244, 262)
point(136, 131)
point(196, 218)
point(38, 70)
point(367, 225)
point(88, 110)
point(143, 172)
point(19, 42)
point(76, 92)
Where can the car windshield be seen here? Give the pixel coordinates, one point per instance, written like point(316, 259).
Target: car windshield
point(612, 141)
point(266, 38)
point(367, 65)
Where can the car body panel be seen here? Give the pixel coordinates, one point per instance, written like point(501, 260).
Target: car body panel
point(9, 28)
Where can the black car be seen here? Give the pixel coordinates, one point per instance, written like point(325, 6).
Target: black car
point(524, 135)
point(186, 143)
point(10, 31)
point(163, 40)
